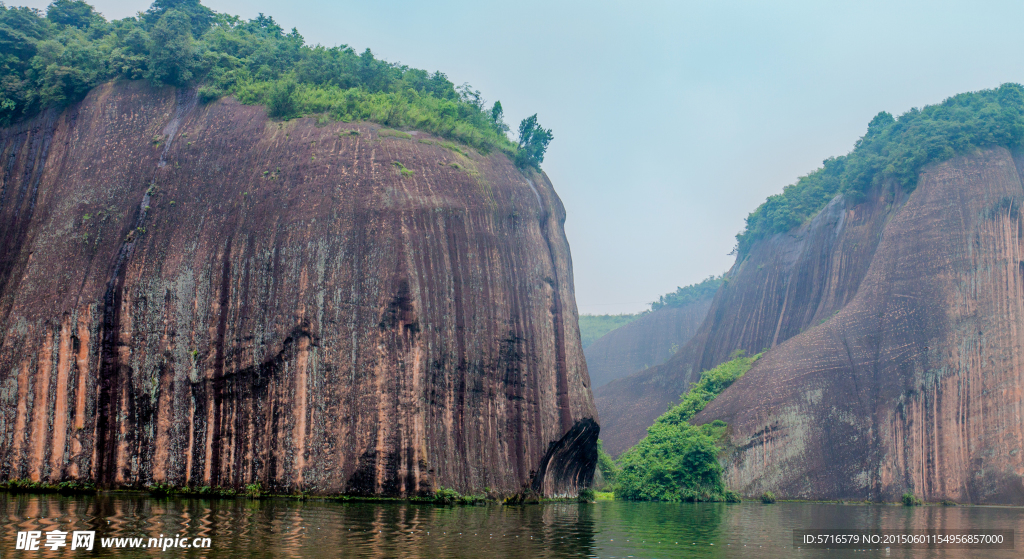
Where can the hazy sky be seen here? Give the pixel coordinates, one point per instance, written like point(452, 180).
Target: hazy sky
point(673, 120)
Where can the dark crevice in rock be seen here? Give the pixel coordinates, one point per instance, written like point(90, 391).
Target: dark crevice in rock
point(568, 466)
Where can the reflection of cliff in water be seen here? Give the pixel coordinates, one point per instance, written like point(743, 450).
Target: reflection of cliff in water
point(315, 528)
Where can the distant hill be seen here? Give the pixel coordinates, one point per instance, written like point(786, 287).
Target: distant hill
point(646, 339)
point(593, 326)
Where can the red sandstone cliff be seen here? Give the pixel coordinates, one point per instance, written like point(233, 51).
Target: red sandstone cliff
point(197, 295)
point(646, 342)
point(896, 333)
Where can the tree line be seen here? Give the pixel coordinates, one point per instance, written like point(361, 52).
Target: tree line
point(894, 150)
point(53, 59)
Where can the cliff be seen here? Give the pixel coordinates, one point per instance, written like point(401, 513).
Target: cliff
point(895, 340)
point(646, 342)
point(196, 295)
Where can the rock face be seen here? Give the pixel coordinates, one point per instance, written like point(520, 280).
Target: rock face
point(896, 335)
point(196, 295)
point(646, 342)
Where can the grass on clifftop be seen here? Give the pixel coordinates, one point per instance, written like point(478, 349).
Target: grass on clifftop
point(678, 461)
point(895, 149)
point(54, 59)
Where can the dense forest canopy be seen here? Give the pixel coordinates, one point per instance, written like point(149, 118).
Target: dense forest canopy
point(683, 296)
point(895, 149)
point(54, 59)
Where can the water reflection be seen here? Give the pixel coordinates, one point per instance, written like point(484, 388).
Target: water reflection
point(281, 528)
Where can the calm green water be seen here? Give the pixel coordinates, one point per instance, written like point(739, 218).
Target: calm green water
point(280, 528)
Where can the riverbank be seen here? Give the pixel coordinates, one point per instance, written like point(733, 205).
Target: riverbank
point(255, 491)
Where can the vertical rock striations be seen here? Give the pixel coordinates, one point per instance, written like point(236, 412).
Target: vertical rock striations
point(197, 295)
point(784, 285)
point(896, 328)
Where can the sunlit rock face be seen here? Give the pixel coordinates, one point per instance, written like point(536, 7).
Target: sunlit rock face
point(895, 330)
point(196, 295)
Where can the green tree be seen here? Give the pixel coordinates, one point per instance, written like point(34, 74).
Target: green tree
point(498, 118)
point(533, 143)
point(200, 18)
point(74, 13)
point(689, 294)
point(281, 101)
point(173, 56)
point(54, 59)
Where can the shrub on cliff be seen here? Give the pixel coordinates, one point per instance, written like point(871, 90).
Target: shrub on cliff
point(55, 60)
point(895, 149)
point(911, 500)
point(533, 143)
point(678, 461)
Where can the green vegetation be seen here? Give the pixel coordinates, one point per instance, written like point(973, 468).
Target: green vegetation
point(768, 498)
point(401, 169)
point(911, 500)
point(53, 60)
point(690, 294)
point(387, 132)
point(712, 383)
point(254, 490)
point(445, 496)
point(606, 464)
point(533, 142)
point(593, 326)
point(678, 461)
point(63, 487)
point(895, 149)
point(207, 492)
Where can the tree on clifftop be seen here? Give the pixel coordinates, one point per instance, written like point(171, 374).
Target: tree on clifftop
point(533, 142)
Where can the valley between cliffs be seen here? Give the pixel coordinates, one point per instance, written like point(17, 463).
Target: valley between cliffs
point(197, 295)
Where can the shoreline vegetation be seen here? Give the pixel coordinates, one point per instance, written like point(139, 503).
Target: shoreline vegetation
point(53, 59)
point(441, 497)
point(255, 491)
point(678, 461)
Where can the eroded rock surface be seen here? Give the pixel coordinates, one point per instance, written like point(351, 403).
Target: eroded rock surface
point(896, 332)
point(193, 294)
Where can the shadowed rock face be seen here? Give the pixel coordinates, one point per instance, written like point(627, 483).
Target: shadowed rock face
point(196, 295)
point(773, 294)
point(897, 332)
point(646, 342)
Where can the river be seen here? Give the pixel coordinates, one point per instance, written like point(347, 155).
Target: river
point(612, 529)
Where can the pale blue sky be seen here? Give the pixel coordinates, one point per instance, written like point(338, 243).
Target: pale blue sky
point(673, 120)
